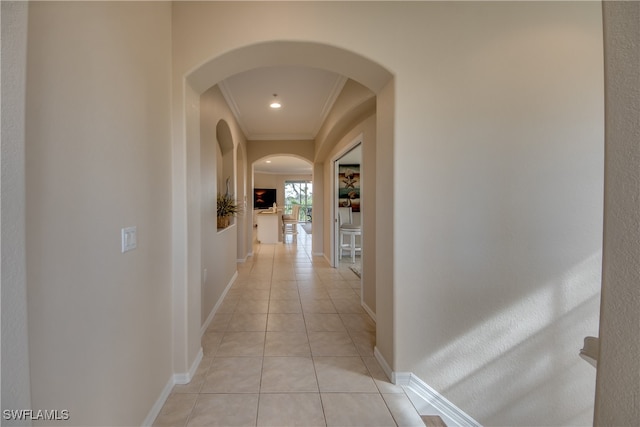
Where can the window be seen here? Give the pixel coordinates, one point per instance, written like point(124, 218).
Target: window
point(299, 193)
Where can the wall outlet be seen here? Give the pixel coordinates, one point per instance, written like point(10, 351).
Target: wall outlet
point(204, 276)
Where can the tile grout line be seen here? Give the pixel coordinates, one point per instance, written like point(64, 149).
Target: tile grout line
point(326, 282)
point(264, 346)
point(313, 362)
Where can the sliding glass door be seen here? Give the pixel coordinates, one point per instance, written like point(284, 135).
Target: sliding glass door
point(299, 193)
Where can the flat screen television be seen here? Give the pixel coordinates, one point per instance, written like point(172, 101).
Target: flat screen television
point(263, 198)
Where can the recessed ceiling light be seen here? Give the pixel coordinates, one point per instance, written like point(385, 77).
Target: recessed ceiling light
point(275, 104)
point(268, 161)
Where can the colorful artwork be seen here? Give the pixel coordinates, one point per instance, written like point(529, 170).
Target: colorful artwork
point(349, 186)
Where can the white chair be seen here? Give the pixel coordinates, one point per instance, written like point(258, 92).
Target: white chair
point(350, 231)
point(290, 222)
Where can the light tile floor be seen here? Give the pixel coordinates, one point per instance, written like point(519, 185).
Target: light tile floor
point(289, 346)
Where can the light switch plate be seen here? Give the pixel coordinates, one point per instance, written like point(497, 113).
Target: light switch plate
point(129, 239)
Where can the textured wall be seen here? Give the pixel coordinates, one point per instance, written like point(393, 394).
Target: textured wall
point(488, 178)
point(498, 273)
point(16, 392)
point(494, 112)
point(219, 250)
point(618, 382)
point(98, 158)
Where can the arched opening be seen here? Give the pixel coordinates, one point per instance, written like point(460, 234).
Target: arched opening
point(285, 180)
point(225, 163)
point(187, 269)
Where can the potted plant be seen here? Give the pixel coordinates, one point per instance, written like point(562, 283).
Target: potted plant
point(227, 208)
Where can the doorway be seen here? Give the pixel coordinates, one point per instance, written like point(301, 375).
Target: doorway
point(347, 210)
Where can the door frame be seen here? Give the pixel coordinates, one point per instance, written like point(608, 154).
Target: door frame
point(335, 234)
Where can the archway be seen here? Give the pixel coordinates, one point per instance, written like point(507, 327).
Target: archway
point(272, 177)
point(225, 160)
point(187, 269)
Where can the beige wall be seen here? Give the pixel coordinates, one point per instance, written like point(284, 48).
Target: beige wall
point(319, 190)
point(257, 150)
point(618, 382)
point(219, 247)
point(494, 112)
point(490, 104)
point(498, 259)
point(98, 159)
point(354, 104)
point(243, 192)
point(16, 392)
point(384, 226)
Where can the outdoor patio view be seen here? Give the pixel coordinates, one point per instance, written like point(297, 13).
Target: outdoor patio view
point(299, 193)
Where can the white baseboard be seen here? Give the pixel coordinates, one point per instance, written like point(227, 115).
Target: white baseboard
point(383, 363)
point(157, 407)
point(450, 413)
point(368, 310)
point(185, 378)
point(437, 403)
point(215, 308)
point(196, 364)
point(401, 378)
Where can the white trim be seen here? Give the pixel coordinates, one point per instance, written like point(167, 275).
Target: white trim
point(438, 404)
point(215, 308)
point(229, 227)
point(157, 407)
point(242, 260)
point(166, 391)
point(326, 258)
point(233, 106)
point(280, 137)
point(319, 254)
point(368, 310)
point(185, 378)
point(336, 90)
point(195, 364)
point(401, 378)
point(334, 236)
point(383, 363)
point(450, 413)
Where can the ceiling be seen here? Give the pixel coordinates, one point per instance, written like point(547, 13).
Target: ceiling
point(306, 94)
point(283, 165)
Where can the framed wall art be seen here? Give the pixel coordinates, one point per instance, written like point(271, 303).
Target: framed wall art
point(349, 187)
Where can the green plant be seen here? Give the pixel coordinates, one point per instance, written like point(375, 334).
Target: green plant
point(226, 205)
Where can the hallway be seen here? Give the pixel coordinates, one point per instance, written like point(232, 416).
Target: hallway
point(289, 345)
